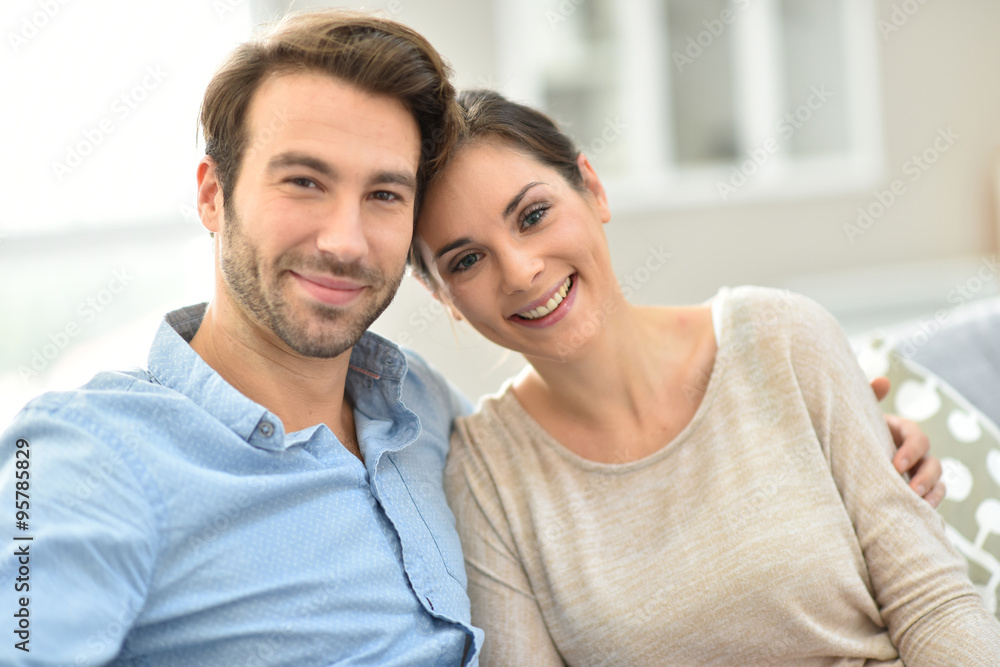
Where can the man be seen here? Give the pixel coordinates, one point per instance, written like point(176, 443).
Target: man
point(268, 491)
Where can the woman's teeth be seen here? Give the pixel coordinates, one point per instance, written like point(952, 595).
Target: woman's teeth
point(550, 305)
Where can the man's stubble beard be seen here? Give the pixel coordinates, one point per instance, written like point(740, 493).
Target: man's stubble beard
point(335, 330)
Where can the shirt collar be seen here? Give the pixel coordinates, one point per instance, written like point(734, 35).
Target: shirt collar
point(374, 382)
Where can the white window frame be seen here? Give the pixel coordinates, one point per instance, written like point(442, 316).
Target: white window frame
point(653, 180)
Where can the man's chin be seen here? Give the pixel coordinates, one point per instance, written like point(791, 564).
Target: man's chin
point(318, 342)
point(323, 332)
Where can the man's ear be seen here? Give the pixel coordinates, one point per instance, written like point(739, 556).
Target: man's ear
point(593, 185)
point(210, 197)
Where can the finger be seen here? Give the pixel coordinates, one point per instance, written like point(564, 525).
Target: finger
point(936, 494)
point(881, 387)
point(912, 442)
point(925, 475)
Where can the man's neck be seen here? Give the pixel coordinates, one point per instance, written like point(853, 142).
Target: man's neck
point(301, 391)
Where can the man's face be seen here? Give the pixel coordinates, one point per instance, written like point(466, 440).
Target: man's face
point(317, 228)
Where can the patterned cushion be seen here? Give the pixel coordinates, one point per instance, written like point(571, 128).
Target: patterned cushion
point(967, 443)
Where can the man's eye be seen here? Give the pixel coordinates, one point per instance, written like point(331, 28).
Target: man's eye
point(382, 195)
point(303, 182)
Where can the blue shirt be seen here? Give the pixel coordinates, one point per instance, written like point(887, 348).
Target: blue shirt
point(174, 522)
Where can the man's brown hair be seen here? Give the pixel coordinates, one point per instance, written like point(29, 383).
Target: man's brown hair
point(375, 55)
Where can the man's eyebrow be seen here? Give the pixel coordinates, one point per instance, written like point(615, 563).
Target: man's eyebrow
point(403, 178)
point(285, 160)
point(516, 199)
point(457, 243)
point(293, 159)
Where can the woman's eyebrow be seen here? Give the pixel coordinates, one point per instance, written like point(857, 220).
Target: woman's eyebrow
point(451, 246)
point(516, 199)
point(507, 212)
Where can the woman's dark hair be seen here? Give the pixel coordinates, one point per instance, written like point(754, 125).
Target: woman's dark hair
point(490, 115)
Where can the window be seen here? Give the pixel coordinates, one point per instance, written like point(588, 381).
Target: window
point(681, 102)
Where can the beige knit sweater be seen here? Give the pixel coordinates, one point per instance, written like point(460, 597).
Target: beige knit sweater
point(772, 530)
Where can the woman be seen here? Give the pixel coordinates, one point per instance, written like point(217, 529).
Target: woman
point(684, 485)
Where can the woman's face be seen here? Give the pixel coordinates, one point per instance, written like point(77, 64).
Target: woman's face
point(519, 252)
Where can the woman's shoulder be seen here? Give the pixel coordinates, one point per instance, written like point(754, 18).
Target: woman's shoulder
point(770, 312)
point(490, 444)
point(497, 424)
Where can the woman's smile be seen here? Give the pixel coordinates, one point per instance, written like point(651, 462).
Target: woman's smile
point(549, 309)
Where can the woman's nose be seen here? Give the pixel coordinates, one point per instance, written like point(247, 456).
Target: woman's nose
point(519, 270)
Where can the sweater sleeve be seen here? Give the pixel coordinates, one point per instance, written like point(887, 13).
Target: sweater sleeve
point(920, 582)
point(503, 604)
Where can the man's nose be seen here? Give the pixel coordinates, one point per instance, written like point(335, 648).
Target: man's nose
point(342, 231)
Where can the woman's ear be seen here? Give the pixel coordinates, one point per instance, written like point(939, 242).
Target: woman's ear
point(439, 294)
point(427, 275)
point(593, 185)
point(455, 315)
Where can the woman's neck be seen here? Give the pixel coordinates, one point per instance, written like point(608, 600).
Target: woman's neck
point(628, 384)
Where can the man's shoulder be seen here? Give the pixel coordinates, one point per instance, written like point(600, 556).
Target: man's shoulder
point(101, 406)
point(424, 389)
point(428, 381)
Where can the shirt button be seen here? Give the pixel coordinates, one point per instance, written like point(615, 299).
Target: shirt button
point(267, 429)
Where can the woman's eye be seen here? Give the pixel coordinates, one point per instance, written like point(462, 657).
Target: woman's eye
point(466, 262)
point(533, 217)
